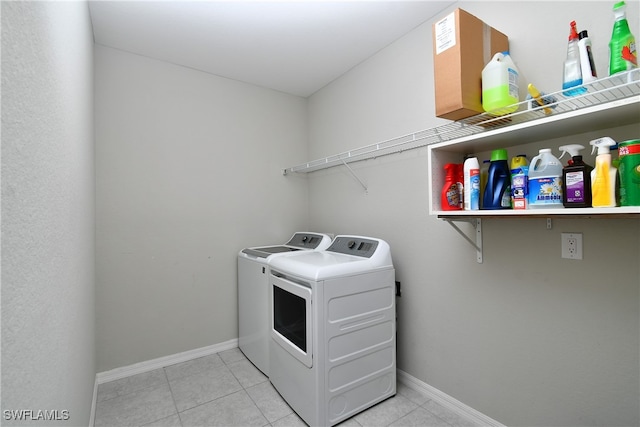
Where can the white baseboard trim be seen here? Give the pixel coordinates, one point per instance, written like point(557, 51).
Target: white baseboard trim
point(161, 362)
point(92, 415)
point(447, 401)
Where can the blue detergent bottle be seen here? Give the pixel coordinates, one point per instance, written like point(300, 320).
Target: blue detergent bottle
point(497, 193)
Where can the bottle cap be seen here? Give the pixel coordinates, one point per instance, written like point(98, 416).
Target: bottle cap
point(573, 33)
point(498, 155)
point(618, 5)
point(583, 34)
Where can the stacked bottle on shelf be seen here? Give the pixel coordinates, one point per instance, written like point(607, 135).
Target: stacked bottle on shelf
point(545, 183)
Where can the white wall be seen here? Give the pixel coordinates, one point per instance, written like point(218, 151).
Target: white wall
point(526, 337)
point(188, 173)
point(48, 269)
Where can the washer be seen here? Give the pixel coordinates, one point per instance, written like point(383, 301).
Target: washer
point(253, 293)
point(332, 352)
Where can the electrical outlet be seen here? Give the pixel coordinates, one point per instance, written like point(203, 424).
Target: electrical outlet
point(572, 245)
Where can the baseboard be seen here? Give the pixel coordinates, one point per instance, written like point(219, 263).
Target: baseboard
point(92, 415)
point(161, 362)
point(447, 401)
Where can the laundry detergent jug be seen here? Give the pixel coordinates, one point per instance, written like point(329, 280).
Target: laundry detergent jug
point(500, 85)
point(545, 181)
point(497, 193)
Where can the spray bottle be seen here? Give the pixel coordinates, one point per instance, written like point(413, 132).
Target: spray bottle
point(603, 177)
point(622, 47)
point(572, 79)
point(450, 196)
point(576, 178)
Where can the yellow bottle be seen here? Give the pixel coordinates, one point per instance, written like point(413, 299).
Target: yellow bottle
point(603, 176)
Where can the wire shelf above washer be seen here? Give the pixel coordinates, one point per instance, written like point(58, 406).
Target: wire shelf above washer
point(602, 91)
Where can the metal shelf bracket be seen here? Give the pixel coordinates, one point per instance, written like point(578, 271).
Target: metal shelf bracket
point(353, 174)
point(477, 224)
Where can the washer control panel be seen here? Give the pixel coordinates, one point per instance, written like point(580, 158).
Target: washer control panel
point(305, 240)
point(353, 245)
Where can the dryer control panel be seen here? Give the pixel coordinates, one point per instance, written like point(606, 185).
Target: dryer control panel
point(353, 245)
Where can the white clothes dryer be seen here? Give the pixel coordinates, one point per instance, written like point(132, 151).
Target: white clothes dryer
point(332, 352)
point(253, 293)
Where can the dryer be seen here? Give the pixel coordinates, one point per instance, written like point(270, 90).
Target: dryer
point(253, 293)
point(332, 352)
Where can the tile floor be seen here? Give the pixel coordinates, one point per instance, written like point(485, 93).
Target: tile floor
point(225, 389)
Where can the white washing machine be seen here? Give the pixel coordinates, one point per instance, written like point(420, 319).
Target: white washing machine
point(332, 352)
point(253, 293)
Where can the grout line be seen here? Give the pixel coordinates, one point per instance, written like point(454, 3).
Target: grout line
point(173, 398)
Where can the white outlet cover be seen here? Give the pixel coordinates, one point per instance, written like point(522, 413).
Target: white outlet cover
point(572, 245)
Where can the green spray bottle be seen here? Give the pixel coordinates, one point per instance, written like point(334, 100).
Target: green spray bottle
point(622, 47)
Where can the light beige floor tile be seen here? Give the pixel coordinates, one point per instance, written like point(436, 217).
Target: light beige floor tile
point(130, 384)
point(203, 387)
point(269, 401)
point(420, 418)
point(171, 421)
point(386, 412)
point(411, 394)
point(292, 420)
point(247, 374)
point(192, 367)
point(232, 355)
point(448, 415)
point(137, 408)
point(236, 409)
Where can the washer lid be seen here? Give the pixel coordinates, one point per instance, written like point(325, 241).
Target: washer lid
point(373, 255)
point(300, 240)
point(268, 250)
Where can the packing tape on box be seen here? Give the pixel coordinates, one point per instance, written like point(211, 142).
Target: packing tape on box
point(486, 43)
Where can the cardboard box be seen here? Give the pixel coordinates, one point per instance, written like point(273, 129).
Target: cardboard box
point(462, 46)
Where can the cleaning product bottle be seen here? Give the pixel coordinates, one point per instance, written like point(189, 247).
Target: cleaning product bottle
point(587, 66)
point(471, 184)
point(576, 178)
point(629, 171)
point(500, 91)
point(519, 181)
point(572, 79)
point(622, 47)
point(484, 173)
point(497, 193)
point(545, 181)
point(460, 183)
point(450, 197)
point(603, 176)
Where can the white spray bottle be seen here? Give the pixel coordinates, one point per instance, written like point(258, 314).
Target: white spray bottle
point(603, 176)
point(572, 149)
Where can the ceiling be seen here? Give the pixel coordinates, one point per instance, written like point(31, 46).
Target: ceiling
point(295, 47)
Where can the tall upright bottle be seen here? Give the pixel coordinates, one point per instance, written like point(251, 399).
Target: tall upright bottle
point(471, 184)
point(572, 78)
point(622, 47)
point(603, 176)
point(587, 65)
point(497, 193)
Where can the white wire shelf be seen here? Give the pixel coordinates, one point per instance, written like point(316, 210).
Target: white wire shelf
point(602, 91)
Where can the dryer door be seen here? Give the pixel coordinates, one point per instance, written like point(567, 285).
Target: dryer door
point(291, 319)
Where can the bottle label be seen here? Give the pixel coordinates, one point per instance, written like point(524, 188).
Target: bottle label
point(629, 53)
point(575, 187)
point(453, 196)
point(519, 183)
point(474, 179)
point(545, 191)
